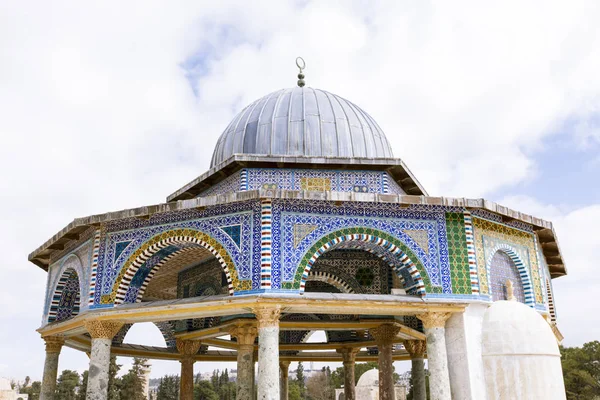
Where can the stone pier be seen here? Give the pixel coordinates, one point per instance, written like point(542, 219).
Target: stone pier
point(437, 359)
point(187, 350)
point(245, 336)
point(53, 346)
point(268, 352)
point(102, 333)
point(416, 349)
point(349, 358)
point(384, 335)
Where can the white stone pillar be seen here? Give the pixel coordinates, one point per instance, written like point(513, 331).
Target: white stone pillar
point(463, 343)
point(284, 366)
point(437, 358)
point(187, 351)
point(416, 349)
point(268, 352)
point(385, 336)
point(102, 333)
point(245, 336)
point(53, 346)
point(349, 359)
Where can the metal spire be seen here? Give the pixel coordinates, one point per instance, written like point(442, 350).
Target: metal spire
point(301, 65)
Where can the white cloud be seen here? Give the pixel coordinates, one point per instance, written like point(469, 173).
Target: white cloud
point(98, 112)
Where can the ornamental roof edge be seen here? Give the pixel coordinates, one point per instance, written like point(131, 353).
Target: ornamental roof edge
point(544, 229)
point(395, 166)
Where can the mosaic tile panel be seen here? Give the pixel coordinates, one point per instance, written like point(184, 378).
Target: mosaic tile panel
point(490, 236)
point(246, 258)
point(328, 217)
point(457, 253)
point(232, 183)
point(294, 179)
point(502, 268)
point(66, 298)
point(471, 253)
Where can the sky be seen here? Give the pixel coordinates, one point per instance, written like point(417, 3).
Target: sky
point(113, 105)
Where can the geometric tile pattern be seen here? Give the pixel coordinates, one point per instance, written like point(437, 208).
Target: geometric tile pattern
point(234, 232)
point(457, 253)
point(489, 237)
point(420, 237)
point(288, 248)
point(66, 298)
point(551, 308)
point(385, 243)
point(299, 179)
point(244, 255)
point(162, 241)
point(301, 231)
point(94, 266)
point(502, 268)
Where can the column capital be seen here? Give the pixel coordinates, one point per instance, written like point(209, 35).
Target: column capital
point(54, 343)
point(348, 354)
point(266, 316)
point(385, 334)
point(416, 348)
point(244, 334)
point(102, 329)
point(284, 365)
point(434, 319)
point(187, 348)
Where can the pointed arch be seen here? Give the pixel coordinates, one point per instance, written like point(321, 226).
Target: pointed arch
point(330, 279)
point(180, 239)
point(385, 246)
point(523, 273)
point(66, 298)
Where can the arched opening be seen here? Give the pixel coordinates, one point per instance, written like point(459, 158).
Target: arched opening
point(502, 269)
point(147, 333)
point(66, 298)
point(371, 262)
point(177, 264)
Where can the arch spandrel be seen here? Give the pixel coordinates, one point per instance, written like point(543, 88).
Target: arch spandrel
point(176, 237)
point(369, 240)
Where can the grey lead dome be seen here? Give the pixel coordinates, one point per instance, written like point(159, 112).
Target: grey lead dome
point(302, 121)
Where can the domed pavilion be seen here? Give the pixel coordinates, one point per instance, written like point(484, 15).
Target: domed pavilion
point(306, 221)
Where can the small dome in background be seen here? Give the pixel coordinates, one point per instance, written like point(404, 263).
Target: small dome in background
point(369, 378)
point(302, 121)
point(505, 325)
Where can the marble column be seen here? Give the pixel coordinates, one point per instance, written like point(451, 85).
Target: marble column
point(284, 367)
point(245, 336)
point(53, 346)
point(349, 358)
point(437, 358)
point(385, 336)
point(187, 352)
point(268, 352)
point(464, 346)
point(102, 333)
point(416, 349)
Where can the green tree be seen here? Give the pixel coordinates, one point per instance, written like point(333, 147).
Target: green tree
point(301, 380)
point(132, 383)
point(32, 390)
point(66, 385)
point(581, 371)
point(168, 388)
point(113, 381)
point(81, 393)
point(204, 390)
point(294, 390)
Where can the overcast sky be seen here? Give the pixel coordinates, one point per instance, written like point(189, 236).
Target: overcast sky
point(118, 104)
